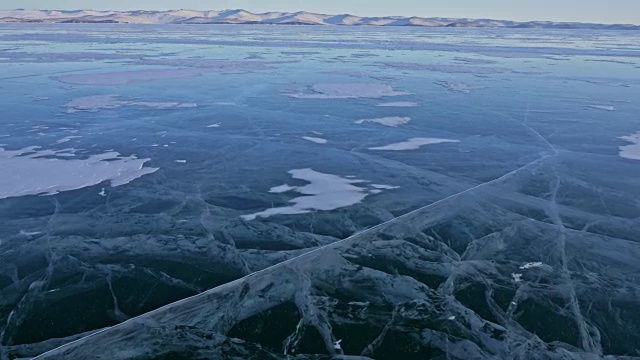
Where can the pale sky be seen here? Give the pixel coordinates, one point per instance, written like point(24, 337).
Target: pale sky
point(601, 11)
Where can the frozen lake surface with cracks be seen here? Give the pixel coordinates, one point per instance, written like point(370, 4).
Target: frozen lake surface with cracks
point(287, 192)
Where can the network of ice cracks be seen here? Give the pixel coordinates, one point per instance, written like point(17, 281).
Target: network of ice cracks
point(338, 285)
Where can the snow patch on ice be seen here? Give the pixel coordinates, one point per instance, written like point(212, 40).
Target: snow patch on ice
point(531, 265)
point(282, 189)
point(67, 139)
point(516, 277)
point(336, 345)
point(413, 144)
point(384, 187)
point(33, 174)
point(631, 151)
point(316, 140)
point(29, 233)
point(393, 121)
point(95, 103)
point(214, 125)
point(603, 107)
point(348, 91)
point(324, 192)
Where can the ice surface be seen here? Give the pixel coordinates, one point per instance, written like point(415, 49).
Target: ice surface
point(28, 173)
point(532, 181)
point(324, 192)
point(316, 140)
point(392, 121)
point(412, 144)
point(349, 91)
point(398, 104)
point(126, 77)
point(631, 151)
point(104, 102)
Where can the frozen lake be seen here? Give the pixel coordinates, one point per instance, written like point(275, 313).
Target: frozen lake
point(380, 193)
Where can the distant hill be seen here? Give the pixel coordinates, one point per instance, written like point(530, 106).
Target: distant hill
point(273, 18)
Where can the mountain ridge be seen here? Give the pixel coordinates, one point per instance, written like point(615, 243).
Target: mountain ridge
point(239, 16)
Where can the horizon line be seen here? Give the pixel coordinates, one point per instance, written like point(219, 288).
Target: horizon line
point(364, 17)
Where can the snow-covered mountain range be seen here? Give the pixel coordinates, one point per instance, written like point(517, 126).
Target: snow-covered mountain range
point(273, 18)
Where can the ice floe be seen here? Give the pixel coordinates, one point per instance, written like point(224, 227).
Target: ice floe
point(316, 140)
point(31, 171)
point(631, 151)
point(413, 144)
point(324, 192)
point(398, 104)
point(126, 77)
point(348, 91)
point(95, 103)
point(393, 121)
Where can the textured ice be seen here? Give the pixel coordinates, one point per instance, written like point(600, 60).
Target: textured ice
point(412, 144)
point(631, 151)
point(349, 91)
point(316, 140)
point(104, 102)
point(126, 77)
point(324, 192)
point(392, 121)
point(459, 87)
point(447, 68)
point(398, 104)
point(210, 65)
point(28, 172)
